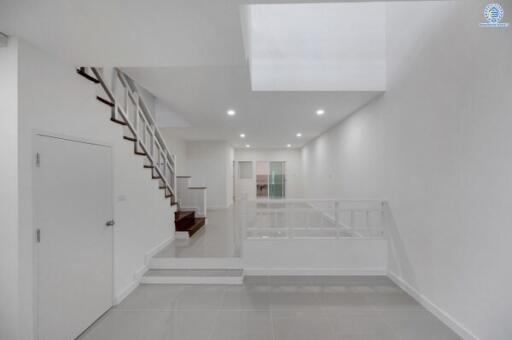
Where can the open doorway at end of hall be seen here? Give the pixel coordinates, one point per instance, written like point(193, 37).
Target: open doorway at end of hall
point(270, 179)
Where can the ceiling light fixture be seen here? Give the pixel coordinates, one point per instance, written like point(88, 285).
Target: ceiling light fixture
point(247, 145)
point(320, 112)
point(298, 135)
point(242, 135)
point(288, 145)
point(231, 112)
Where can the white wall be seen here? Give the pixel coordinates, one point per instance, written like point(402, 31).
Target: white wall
point(9, 192)
point(438, 147)
point(207, 164)
point(178, 147)
point(53, 98)
point(292, 157)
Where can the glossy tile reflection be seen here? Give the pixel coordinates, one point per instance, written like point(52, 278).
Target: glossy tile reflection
point(273, 308)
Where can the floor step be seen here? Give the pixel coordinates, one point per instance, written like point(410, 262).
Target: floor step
point(195, 262)
point(194, 276)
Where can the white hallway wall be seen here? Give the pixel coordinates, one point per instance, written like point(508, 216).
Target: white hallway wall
point(209, 163)
point(178, 147)
point(438, 147)
point(53, 98)
point(9, 215)
point(292, 157)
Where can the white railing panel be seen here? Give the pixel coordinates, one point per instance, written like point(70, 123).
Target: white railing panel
point(303, 219)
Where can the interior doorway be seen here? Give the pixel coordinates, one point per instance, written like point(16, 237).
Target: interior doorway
point(270, 179)
point(74, 236)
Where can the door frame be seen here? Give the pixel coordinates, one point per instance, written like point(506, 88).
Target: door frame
point(36, 133)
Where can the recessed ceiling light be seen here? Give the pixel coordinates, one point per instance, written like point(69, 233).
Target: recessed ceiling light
point(247, 145)
point(242, 135)
point(320, 112)
point(231, 112)
point(298, 135)
point(288, 145)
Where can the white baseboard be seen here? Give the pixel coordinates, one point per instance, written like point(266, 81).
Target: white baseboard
point(139, 273)
point(156, 249)
point(433, 308)
point(314, 271)
point(137, 276)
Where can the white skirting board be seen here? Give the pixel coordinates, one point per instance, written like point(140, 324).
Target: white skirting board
point(137, 276)
point(433, 308)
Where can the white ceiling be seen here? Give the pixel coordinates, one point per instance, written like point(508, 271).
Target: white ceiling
point(189, 53)
point(316, 46)
point(202, 95)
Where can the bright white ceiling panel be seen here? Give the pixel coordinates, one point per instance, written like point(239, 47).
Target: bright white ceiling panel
point(316, 47)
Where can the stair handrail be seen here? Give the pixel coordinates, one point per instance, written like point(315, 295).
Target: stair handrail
point(170, 159)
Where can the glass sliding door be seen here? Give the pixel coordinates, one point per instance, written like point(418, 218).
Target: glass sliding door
point(262, 175)
point(276, 180)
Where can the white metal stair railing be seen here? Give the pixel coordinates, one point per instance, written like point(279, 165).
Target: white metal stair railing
point(130, 107)
point(312, 219)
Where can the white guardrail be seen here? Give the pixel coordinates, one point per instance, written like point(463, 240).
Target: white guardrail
point(312, 218)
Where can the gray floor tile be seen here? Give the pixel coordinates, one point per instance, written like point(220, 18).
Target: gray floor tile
point(301, 325)
point(152, 297)
point(200, 297)
point(295, 297)
point(245, 298)
point(129, 325)
point(353, 309)
point(358, 324)
point(417, 325)
point(243, 325)
point(398, 300)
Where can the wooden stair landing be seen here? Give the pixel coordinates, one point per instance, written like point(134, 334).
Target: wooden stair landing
point(186, 221)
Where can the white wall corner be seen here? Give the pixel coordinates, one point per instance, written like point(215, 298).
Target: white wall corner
point(3, 40)
point(139, 273)
point(446, 318)
point(155, 250)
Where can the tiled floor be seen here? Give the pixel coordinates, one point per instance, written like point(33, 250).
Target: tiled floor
point(219, 238)
point(273, 308)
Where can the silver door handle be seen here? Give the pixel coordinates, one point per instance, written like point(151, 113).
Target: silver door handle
point(110, 223)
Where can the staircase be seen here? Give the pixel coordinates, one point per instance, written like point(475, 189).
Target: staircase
point(129, 110)
point(187, 224)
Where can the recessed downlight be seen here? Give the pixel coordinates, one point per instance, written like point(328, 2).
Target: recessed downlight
point(247, 145)
point(298, 135)
point(288, 145)
point(320, 112)
point(242, 135)
point(231, 112)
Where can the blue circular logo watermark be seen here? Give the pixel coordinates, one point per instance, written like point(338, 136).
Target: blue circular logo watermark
point(493, 13)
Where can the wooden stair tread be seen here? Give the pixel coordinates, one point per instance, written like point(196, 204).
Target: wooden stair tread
point(199, 223)
point(105, 101)
point(179, 215)
point(81, 71)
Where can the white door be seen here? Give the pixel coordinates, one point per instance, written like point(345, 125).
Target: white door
point(72, 203)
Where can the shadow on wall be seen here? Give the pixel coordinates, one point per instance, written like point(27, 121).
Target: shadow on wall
point(398, 259)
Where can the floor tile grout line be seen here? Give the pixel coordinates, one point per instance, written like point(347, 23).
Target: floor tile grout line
point(217, 316)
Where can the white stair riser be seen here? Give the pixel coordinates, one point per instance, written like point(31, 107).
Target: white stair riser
point(195, 263)
point(235, 280)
